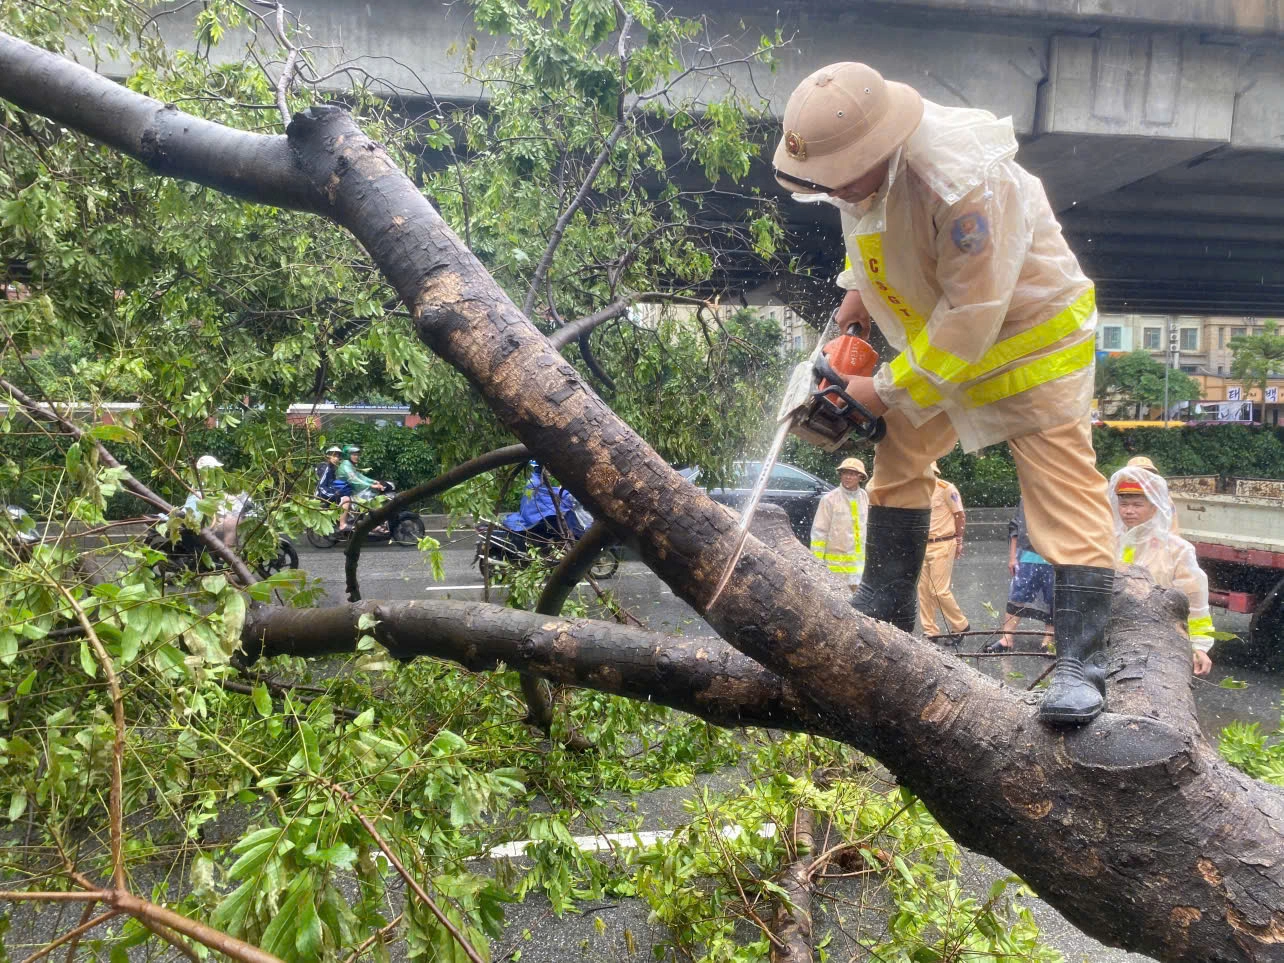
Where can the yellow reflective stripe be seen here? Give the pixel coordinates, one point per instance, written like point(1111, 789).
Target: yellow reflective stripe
point(1129, 554)
point(948, 367)
point(847, 263)
point(854, 508)
point(1203, 626)
point(871, 253)
point(846, 568)
point(840, 557)
point(1038, 372)
point(919, 388)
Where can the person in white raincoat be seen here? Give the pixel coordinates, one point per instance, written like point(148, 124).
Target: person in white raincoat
point(955, 252)
point(837, 532)
point(1143, 521)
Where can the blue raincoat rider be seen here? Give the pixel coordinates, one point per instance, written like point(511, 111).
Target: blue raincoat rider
point(537, 516)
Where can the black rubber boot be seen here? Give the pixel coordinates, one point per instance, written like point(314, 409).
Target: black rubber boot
point(895, 541)
point(1076, 692)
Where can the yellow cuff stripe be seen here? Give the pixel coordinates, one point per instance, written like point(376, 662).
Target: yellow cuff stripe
point(1202, 626)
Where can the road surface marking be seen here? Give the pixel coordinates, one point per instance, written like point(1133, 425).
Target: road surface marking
point(604, 842)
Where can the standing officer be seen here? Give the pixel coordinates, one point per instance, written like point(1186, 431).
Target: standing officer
point(837, 533)
point(955, 252)
point(944, 545)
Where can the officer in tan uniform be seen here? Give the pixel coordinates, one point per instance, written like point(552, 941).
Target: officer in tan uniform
point(954, 251)
point(838, 530)
point(944, 545)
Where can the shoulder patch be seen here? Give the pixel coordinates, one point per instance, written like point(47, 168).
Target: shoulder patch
point(970, 233)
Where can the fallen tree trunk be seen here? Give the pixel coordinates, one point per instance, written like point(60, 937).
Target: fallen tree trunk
point(1132, 826)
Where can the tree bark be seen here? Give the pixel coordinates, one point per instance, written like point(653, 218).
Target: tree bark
point(702, 676)
point(1132, 826)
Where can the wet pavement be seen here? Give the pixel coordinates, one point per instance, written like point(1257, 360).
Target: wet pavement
point(622, 929)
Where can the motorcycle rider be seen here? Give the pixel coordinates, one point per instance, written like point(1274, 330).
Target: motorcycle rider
point(546, 511)
point(331, 488)
point(227, 513)
point(363, 487)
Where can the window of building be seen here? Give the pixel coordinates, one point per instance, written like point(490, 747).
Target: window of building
point(1221, 337)
point(1111, 338)
point(1152, 338)
point(1189, 368)
point(1190, 339)
point(1219, 367)
point(1238, 332)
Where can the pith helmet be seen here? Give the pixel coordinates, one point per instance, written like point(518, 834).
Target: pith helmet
point(854, 464)
point(840, 122)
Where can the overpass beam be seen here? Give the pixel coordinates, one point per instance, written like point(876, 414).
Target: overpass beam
point(1124, 105)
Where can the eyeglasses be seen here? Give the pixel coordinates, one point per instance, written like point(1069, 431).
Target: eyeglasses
point(803, 182)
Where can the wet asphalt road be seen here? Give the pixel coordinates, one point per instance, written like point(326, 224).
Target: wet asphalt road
point(980, 585)
point(622, 930)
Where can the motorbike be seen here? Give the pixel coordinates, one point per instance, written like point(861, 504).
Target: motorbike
point(404, 528)
point(19, 532)
point(499, 547)
point(189, 554)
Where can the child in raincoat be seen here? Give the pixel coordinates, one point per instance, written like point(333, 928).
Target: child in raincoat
point(1143, 524)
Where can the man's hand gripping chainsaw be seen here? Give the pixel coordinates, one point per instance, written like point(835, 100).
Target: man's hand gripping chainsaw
point(817, 408)
point(816, 404)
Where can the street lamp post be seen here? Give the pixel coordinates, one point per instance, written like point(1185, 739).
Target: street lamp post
point(1170, 357)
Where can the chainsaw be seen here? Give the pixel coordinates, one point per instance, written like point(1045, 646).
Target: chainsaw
point(817, 408)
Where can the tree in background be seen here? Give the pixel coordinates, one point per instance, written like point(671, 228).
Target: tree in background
point(1257, 358)
point(1136, 381)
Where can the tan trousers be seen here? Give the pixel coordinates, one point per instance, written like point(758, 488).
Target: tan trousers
point(934, 589)
point(1066, 509)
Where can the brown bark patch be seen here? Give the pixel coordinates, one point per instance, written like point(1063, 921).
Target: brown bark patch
point(1208, 870)
point(1183, 916)
point(441, 287)
point(938, 710)
point(1272, 932)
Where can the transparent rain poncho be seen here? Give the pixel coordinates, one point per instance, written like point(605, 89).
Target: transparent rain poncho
point(960, 260)
point(1168, 557)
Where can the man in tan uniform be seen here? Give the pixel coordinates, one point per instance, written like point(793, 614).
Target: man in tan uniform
point(944, 545)
point(955, 252)
point(838, 530)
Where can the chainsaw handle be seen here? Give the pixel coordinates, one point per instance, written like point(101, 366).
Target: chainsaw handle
point(864, 422)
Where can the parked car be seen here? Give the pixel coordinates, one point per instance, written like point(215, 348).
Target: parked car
point(796, 491)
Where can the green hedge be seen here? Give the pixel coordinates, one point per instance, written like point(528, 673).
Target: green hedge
point(988, 478)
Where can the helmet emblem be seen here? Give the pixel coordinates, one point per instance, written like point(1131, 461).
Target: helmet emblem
point(795, 146)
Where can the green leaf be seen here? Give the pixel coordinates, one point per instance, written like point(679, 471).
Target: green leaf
point(24, 687)
point(87, 660)
point(214, 584)
point(17, 805)
point(233, 622)
point(311, 753)
point(262, 700)
point(307, 938)
point(113, 433)
point(1229, 683)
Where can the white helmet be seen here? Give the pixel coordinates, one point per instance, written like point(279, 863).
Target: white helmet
point(207, 461)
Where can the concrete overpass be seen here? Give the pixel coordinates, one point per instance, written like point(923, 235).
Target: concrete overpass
point(1156, 125)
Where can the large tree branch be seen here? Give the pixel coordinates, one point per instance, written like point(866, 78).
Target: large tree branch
point(703, 676)
point(251, 166)
point(1132, 826)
